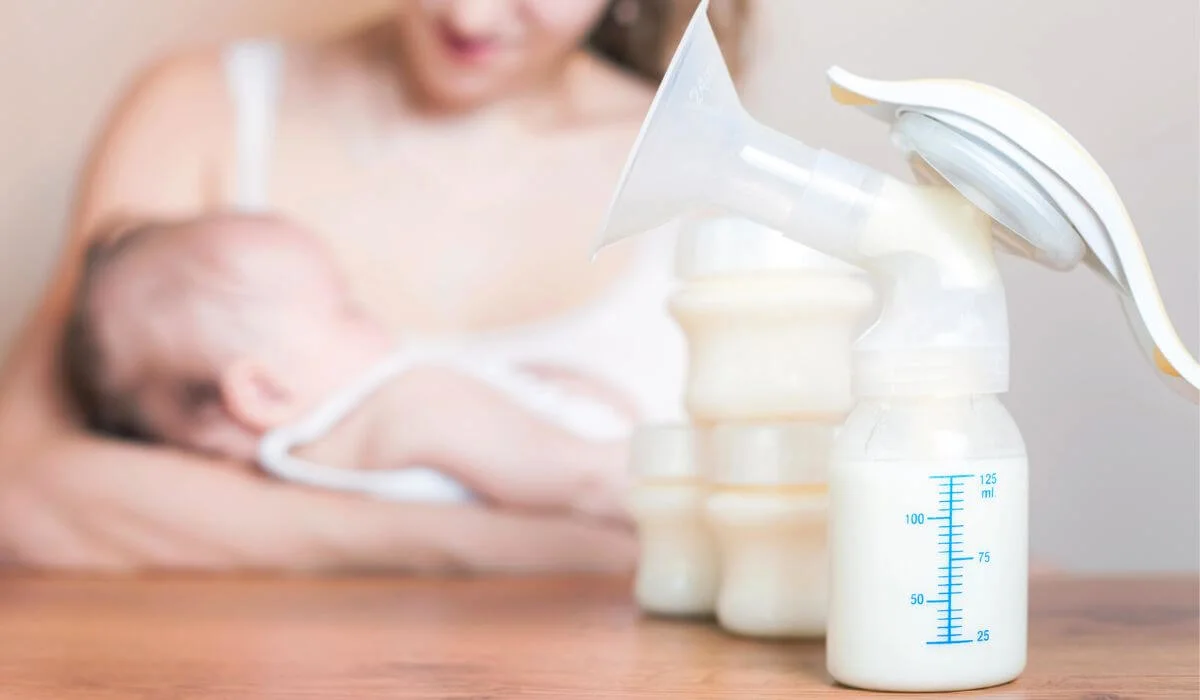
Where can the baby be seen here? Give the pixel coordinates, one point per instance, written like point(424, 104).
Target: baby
point(215, 333)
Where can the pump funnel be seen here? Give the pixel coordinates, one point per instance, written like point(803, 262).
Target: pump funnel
point(698, 149)
point(680, 142)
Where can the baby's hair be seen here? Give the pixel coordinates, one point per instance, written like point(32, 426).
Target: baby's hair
point(106, 407)
point(83, 364)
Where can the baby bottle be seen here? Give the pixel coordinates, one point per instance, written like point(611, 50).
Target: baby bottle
point(768, 510)
point(929, 535)
point(678, 570)
point(929, 476)
point(769, 324)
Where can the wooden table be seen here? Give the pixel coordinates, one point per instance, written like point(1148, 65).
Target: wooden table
point(544, 638)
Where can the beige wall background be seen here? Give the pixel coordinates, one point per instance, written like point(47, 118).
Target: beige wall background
point(1115, 457)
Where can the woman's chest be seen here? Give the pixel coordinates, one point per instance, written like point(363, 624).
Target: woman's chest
point(443, 237)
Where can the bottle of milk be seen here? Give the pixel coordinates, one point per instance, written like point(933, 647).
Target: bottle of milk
point(769, 511)
point(769, 326)
point(677, 571)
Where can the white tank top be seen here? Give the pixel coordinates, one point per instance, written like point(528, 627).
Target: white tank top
point(624, 338)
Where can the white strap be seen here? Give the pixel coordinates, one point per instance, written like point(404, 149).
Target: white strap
point(417, 484)
point(253, 71)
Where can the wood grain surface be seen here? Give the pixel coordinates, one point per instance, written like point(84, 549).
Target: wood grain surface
point(312, 639)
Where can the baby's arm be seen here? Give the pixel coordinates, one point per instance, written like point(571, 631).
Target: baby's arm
point(476, 434)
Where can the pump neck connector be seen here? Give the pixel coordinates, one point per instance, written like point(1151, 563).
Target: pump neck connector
point(943, 326)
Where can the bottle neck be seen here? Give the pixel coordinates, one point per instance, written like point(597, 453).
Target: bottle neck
point(941, 428)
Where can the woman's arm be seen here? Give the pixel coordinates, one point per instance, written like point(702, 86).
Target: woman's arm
point(68, 499)
point(153, 158)
point(83, 503)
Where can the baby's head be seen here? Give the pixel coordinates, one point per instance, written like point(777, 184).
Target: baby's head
point(207, 333)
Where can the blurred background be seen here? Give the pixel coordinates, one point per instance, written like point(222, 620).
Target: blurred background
point(1115, 457)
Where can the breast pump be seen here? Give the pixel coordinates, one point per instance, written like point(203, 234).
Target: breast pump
point(928, 476)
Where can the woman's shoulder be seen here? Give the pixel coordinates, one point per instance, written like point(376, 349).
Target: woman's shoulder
point(179, 93)
point(165, 137)
point(179, 79)
point(190, 85)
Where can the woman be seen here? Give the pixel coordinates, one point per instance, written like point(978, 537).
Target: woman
point(457, 157)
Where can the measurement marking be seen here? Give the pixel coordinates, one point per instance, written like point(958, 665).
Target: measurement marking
point(950, 498)
point(950, 641)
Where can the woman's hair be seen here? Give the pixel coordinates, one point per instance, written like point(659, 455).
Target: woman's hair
point(641, 35)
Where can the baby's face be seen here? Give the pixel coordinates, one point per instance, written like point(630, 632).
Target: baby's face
point(228, 330)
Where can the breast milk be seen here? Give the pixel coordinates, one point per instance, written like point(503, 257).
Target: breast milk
point(768, 511)
point(769, 324)
point(677, 571)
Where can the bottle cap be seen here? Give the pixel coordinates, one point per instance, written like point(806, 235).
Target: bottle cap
point(731, 245)
point(663, 452)
point(770, 454)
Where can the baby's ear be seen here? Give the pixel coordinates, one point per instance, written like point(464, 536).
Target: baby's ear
point(257, 397)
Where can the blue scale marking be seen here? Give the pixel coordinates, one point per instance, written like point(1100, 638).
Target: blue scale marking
point(948, 640)
point(949, 545)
